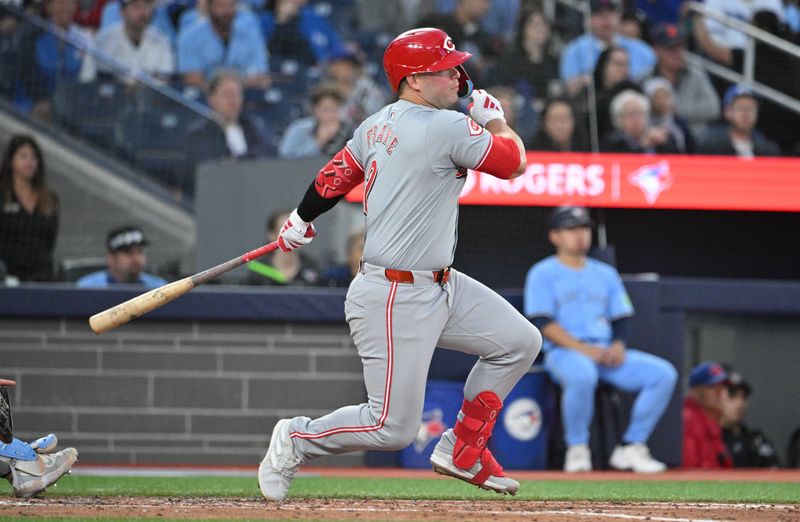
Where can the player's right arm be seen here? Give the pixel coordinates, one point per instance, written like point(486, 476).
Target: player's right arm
point(505, 157)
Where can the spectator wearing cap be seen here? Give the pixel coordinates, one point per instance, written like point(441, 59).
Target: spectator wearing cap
point(584, 313)
point(702, 436)
point(226, 39)
point(749, 447)
point(696, 100)
point(362, 95)
point(125, 261)
point(136, 43)
point(739, 136)
point(772, 68)
point(579, 57)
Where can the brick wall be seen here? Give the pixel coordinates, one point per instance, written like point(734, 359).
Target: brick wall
point(175, 392)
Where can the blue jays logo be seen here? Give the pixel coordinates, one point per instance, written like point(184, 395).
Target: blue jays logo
point(652, 180)
point(523, 419)
point(431, 428)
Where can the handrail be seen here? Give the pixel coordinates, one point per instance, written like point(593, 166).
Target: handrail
point(753, 33)
point(748, 29)
point(748, 76)
point(113, 64)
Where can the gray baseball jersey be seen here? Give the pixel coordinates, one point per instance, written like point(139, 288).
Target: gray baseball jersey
point(415, 160)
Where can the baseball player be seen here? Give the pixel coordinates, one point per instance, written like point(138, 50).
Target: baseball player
point(413, 156)
point(583, 311)
point(30, 468)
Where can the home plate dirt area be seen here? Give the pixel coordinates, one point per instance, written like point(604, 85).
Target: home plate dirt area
point(428, 510)
point(499, 509)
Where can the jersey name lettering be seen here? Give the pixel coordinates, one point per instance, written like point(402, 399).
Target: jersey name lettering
point(385, 136)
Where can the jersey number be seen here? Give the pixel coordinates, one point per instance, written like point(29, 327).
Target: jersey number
point(372, 173)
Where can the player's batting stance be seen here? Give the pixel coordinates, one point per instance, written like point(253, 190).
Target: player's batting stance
point(413, 156)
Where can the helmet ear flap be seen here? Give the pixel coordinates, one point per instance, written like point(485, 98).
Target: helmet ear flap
point(465, 85)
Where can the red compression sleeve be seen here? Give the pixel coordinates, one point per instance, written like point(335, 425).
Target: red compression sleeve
point(341, 175)
point(501, 159)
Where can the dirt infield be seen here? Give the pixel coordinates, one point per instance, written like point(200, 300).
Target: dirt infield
point(321, 509)
point(499, 510)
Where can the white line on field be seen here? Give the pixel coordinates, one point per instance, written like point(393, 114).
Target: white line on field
point(565, 512)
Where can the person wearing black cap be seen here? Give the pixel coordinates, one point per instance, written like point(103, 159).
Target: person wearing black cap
point(749, 447)
point(696, 100)
point(125, 261)
point(702, 407)
point(583, 311)
point(580, 55)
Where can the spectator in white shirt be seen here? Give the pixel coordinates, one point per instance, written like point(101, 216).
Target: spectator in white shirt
point(135, 43)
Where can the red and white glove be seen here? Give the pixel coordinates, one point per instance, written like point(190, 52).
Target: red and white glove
point(295, 233)
point(485, 108)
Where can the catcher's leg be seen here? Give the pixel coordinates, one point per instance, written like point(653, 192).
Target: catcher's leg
point(31, 472)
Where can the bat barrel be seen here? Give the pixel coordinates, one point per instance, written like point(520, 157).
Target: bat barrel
point(139, 305)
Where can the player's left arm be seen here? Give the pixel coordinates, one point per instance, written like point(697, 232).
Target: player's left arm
point(338, 177)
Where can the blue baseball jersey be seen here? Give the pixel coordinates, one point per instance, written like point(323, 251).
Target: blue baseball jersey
point(102, 279)
point(583, 301)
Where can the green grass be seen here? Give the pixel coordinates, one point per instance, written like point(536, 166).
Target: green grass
point(397, 488)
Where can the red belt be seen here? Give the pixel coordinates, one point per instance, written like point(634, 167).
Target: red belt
point(406, 276)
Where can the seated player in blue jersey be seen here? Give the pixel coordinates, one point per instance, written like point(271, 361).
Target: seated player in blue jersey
point(584, 313)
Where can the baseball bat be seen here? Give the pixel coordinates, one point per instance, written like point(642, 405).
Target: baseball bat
point(141, 304)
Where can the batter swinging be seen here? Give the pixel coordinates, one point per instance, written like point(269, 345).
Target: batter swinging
point(413, 156)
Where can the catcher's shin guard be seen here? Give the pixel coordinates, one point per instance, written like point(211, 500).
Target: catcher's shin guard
point(462, 452)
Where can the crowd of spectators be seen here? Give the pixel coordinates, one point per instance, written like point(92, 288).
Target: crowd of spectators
point(619, 83)
point(632, 59)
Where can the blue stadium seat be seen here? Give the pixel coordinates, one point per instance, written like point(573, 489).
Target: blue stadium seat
point(153, 138)
point(275, 106)
point(90, 109)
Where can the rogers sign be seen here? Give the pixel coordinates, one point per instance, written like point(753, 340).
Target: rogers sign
point(641, 181)
point(550, 179)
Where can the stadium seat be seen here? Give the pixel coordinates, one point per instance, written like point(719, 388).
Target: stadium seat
point(152, 138)
point(90, 109)
point(72, 269)
point(274, 106)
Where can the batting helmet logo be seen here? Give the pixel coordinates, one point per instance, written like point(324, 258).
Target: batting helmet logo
point(425, 50)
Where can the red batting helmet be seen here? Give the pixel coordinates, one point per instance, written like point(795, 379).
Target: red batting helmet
point(425, 50)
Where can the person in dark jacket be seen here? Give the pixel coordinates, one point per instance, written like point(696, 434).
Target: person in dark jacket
point(630, 114)
point(234, 134)
point(739, 136)
point(559, 132)
point(749, 447)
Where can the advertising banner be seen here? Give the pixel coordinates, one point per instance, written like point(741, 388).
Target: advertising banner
point(641, 181)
